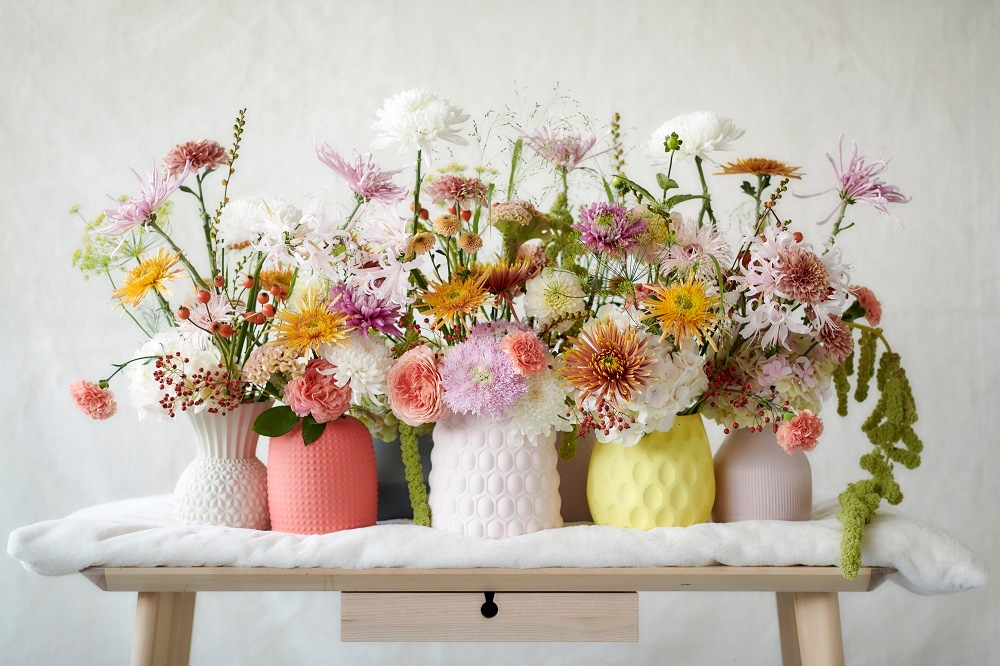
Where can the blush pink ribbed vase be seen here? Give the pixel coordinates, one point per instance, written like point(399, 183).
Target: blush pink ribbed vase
point(756, 480)
point(328, 486)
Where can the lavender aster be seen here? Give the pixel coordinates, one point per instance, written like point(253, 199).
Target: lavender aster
point(609, 227)
point(479, 378)
point(363, 176)
point(365, 311)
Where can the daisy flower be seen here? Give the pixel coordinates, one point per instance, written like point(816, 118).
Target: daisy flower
point(362, 362)
point(479, 378)
point(555, 294)
point(701, 133)
point(362, 176)
point(694, 249)
point(141, 210)
point(151, 275)
point(541, 410)
point(418, 118)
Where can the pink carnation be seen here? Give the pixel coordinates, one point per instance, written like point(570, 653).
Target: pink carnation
point(95, 402)
point(415, 393)
point(526, 351)
point(316, 392)
point(801, 433)
point(873, 309)
point(198, 155)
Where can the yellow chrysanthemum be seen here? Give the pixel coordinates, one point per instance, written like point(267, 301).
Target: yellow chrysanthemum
point(277, 277)
point(760, 166)
point(311, 326)
point(448, 302)
point(683, 309)
point(151, 274)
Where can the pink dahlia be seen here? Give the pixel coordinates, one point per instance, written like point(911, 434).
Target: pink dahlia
point(802, 275)
point(365, 311)
point(141, 210)
point(836, 338)
point(871, 305)
point(694, 249)
point(363, 176)
point(457, 190)
point(316, 392)
point(96, 402)
point(414, 387)
point(801, 433)
point(479, 378)
point(609, 227)
point(199, 156)
point(560, 147)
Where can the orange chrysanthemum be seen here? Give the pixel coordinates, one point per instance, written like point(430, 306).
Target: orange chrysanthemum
point(151, 275)
point(277, 277)
point(760, 166)
point(448, 302)
point(608, 362)
point(312, 326)
point(506, 279)
point(684, 310)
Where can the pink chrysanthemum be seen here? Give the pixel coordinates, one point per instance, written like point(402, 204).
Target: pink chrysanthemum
point(801, 433)
point(200, 156)
point(459, 190)
point(94, 401)
point(363, 176)
point(560, 147)
point(802, 275)
point(479, 378)
point(141, 210)
point(365, 311)
point(871, 305)
point(534, 254)
point(609, 227)
point(836, 339)
point(694, 249)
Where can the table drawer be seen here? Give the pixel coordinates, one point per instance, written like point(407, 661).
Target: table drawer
point(459, 616)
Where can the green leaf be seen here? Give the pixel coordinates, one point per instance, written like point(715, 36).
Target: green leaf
point(681, 198)
point(311, 430)
point(185, 188)
point(853, 312)
point(607, 190)
point(666, 183)
point(275, 422)
point(748, 189)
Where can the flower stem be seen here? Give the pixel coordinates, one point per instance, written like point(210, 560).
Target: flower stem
point(207, 225)
point(180, 254)
point(836, 225)
point(706, 202)
point(876, 331)
point(416, 195)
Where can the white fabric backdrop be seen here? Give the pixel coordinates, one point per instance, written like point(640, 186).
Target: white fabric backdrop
point(90, 89)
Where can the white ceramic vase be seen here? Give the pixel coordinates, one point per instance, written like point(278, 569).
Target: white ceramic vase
point(481, 484)
point(226, 484)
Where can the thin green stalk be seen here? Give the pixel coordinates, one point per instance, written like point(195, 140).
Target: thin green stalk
point(416, 196)
point(836, 225)
point(125, 309)
point(515, 155)
point(207, 225)
point(706, 202)
point(876, 331)
point(180, 253)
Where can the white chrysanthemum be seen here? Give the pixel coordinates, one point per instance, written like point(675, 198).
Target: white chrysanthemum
point(418, 117)
point(244, 220)
point(364, 363)
point(701, 133)
point(553, 294)
point(540, 410)
point(144, 390)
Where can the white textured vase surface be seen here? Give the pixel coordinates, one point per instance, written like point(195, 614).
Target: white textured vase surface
point(226, 484)
point(483, 485)
point(756, 480)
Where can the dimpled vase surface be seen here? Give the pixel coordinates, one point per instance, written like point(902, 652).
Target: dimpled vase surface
point(666, 480)
point(328, 486)
point(481, 484)
point(756, 480)
point(226, 484)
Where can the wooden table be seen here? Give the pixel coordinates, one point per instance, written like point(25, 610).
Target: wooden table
point(490, 604)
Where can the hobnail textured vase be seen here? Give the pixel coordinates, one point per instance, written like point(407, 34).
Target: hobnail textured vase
point(665, 480)
point(573, 482)
point(328, 486)
point(482, 484)
point(226, 484)
point(756, 480)
point(393, 490)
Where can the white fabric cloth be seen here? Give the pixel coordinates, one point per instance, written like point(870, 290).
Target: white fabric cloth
point(142, 533)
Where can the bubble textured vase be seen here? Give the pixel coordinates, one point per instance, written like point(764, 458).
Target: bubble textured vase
point(481, 484)
point(666, 480)
point(328, 486)
point(226, 484)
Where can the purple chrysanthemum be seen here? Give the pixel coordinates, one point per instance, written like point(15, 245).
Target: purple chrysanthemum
point(363, 176)
point(140, 210)
point(560, 147)
point(609, 227)
point(479, 378)
point(365, 311)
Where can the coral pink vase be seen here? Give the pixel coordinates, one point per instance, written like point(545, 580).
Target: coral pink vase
point(328, 486)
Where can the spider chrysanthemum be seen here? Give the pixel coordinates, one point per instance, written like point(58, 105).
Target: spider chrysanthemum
point(312, 326)
point(683, 310)
point(151, 275)
point(608, 362)
point(760, 166)
point(447, 302)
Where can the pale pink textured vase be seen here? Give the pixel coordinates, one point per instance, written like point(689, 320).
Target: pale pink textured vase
point(756, 480)
point(226, 484)
point(482, 484)
point(328, 486)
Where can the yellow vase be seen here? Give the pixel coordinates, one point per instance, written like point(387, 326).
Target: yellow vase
point(666, 480)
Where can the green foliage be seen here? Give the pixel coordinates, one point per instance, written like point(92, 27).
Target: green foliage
point(414, 475)
point(311, 430)
point(275, 422)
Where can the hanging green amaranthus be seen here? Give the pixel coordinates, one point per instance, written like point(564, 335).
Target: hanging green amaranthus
point(414, 475)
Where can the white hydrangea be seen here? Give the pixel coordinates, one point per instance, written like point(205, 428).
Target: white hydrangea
point(540, 410)
point(144, 390)
point(364, 363)
point(553, 294)
point(418, 118)
point(701, 133)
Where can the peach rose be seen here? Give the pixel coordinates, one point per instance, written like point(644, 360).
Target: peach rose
point(873, 309)
point(801, 433)
point(526, 351)
point(316, 392)
point(95, 402)
point(415, 393)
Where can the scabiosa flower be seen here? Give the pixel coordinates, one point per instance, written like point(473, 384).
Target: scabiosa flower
point(470, 242)
point(701, 133)
point(555, 294)
point(610, 363)
point(869, 303)
point(365, 312)
point(418, 118)
point(199, 156)
point(836, 338)
point(141, 210)
point(480, 379)
point(541, 410)
point(362, 175)
point(422, 243)
point(457, 190)
point(609, 227)
point(96, 402)
point(693, 250)
point(560, 147)
point(447, 225)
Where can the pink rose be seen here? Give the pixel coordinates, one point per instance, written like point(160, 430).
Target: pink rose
point(526, 351)
point(95, 402)
point(415, 393)
point(801, 433)
point(873, 309)
point(316, 392)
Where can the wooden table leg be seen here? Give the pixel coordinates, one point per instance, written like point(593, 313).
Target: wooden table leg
point(163, 623)
point(817, 621)
point(790, 654)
